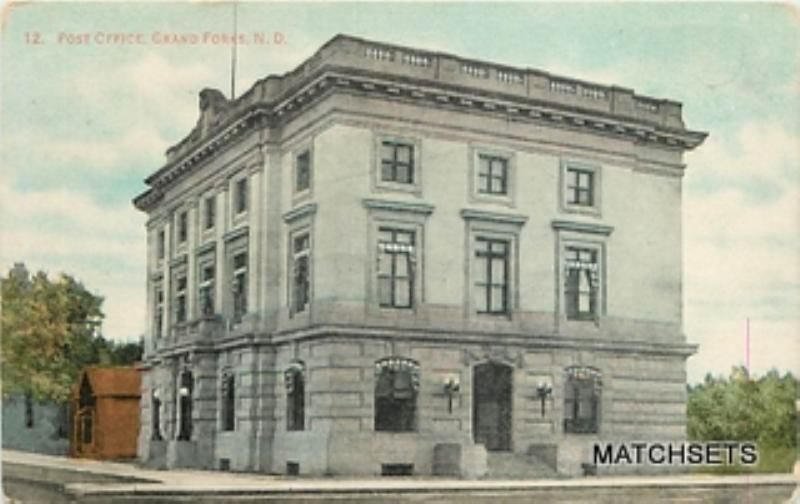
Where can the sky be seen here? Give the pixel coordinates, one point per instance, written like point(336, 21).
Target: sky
point(87, 110)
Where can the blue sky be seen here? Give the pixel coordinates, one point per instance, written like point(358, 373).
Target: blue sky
point(83, 124)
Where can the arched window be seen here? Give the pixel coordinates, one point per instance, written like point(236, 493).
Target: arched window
point(228, 402)
point(294, 377)
point(582, 400)
point(185, 405)
point(396, 387)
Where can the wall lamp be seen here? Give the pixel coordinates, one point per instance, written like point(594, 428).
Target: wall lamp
point(543, 391)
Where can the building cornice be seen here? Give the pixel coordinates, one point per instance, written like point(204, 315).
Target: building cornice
point(346, 65)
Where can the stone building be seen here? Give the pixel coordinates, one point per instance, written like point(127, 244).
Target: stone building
point(393, 261)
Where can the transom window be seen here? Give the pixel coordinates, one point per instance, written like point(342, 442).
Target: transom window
point(206, 291)
point(395, 268)
point(580, 187)
point(209, 212)
point(491, 276)
point(180, 299)
point(302, 181)
point(241, 195)
point(396, 387)
point(239, 285)
point(582, 283)
point(492, 174)
point(397, 162)
point(582, 400)
point(301, 272)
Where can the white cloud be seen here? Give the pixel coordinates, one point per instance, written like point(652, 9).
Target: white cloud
point(59, 231)
point(742, 250)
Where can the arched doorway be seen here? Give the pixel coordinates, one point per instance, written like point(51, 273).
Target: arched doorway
point(492, 405)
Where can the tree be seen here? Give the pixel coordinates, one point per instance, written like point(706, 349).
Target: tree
point(50, 332)
point(743, 408)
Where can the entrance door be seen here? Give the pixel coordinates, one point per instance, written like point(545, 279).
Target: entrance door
point(491, 406)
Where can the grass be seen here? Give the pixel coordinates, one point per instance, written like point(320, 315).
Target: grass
point(771, 459)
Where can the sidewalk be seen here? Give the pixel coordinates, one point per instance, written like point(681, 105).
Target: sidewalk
point(128, 479)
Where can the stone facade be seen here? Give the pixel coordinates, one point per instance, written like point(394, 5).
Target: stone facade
point(493, 254)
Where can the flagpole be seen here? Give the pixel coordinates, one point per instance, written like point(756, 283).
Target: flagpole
point(233, 52)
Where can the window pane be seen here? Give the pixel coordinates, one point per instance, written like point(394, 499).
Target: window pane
point(479, 270)
point(385, 291)
point(483, 183)
point(403, 173)
point(387, 151)
point(401, 268)
point(385, 264)
point(498, 185)
point(498, 271)
point(499, 247)
point(572, 178)
point(387, 172)
point(405, 237)
point(404, 154)
point(483, 165)
point(402, 293)
point(499, 304)
point(479, 298)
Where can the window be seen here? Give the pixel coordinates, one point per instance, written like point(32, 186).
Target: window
point(397, 162)
point(183, 227)
point(580, 187)
point(301, 272)
point(395, 268)
point(241, 196)
point(302, 180)
point(28, 411)
point(582, 283)
point(206, 288)
point(87, 426)
point(160, 244)
point(63, 421)
point(491, 276)
point(396, 387)
point(185, 390)
point(209, 212)
point(492, 175)
point(228, 402)
point(158, 313)
point(155, 406)
point(239, 286)
point(582, 400)
point(294, 377)
point(180, 299)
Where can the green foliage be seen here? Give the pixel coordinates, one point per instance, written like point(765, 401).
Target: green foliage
point(743, 408)
point(50, 333)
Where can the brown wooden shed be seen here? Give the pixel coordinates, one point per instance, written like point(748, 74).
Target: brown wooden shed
point(106, 413)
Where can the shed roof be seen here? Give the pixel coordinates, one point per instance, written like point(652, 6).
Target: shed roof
point(112, 381)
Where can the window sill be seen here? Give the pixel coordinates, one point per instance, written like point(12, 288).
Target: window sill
point(593, 211)
point(415, 189)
